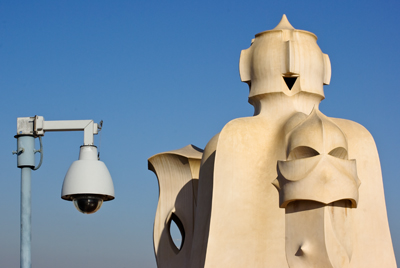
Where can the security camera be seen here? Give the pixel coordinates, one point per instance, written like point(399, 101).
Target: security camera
point(88, 203)
point(88, 182)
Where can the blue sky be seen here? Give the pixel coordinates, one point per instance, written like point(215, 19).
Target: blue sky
point(164, 74)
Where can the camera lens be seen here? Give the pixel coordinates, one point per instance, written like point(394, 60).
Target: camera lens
point(87, 204)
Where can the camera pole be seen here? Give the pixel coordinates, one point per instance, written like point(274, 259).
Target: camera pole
point(25, 161)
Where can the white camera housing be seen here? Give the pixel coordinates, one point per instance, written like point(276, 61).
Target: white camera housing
point(88, 182)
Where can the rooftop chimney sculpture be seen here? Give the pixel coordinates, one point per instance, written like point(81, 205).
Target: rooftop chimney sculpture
point(288, 187)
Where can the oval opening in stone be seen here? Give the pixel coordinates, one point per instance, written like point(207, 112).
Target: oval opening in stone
point(176, 231)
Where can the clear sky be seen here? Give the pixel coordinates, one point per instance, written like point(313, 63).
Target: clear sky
point(162, 75)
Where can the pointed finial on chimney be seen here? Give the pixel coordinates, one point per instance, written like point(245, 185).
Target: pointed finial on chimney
point(284, 24)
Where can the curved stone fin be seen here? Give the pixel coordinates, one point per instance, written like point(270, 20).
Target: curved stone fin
point(177, 173)
point(245, 65)
point(203, 209)
point(327, 69)
point(276, 184)
point(292, 62)
point(189, 151)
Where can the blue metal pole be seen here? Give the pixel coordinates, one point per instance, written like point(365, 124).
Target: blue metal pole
point(26, 231)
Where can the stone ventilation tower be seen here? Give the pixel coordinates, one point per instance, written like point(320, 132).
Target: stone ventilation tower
point(288, 187)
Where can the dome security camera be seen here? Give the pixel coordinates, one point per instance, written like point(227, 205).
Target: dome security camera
point(87, 203)
point(88, 182)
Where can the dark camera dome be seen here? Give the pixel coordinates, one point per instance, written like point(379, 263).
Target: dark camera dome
point(87, 203)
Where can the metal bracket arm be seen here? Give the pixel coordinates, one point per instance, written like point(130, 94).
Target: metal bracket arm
point(37, 126)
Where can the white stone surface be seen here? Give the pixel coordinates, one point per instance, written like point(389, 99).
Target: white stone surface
point(288, 187)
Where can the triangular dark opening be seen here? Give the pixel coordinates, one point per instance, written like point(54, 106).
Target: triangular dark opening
point(290, 81)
